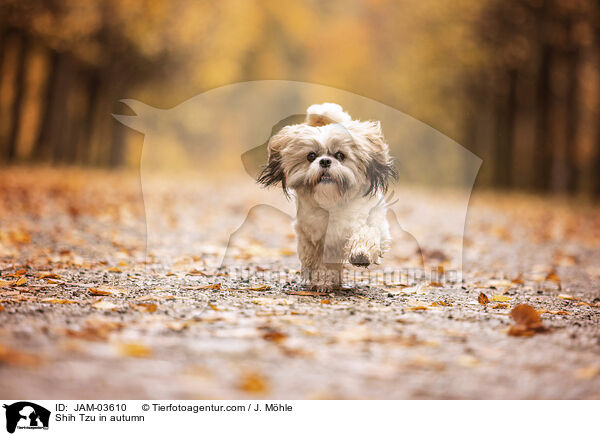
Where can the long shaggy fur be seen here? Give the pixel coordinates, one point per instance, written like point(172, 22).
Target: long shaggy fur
point(339, 169)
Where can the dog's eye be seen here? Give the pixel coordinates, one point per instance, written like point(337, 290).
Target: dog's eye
point(311, 156)
point(339, 156)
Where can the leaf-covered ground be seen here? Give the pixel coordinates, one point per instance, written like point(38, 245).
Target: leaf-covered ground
point(85, 314)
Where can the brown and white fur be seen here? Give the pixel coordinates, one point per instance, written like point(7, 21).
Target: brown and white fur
point(338, 170)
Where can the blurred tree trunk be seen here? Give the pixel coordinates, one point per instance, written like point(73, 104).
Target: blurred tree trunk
point(506, 108)
point(54, 129)
point(17, 103)
point(543, 100)
point(91, 115)
point(571, 111)
point(3, 43)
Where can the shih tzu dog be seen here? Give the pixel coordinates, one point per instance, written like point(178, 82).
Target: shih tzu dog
point(338, 170)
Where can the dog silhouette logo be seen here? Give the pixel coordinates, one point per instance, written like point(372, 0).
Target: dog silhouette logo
point(26, 415)
point(222, 135)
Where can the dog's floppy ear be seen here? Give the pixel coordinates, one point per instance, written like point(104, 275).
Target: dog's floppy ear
point(380, 166)
point(273, 173)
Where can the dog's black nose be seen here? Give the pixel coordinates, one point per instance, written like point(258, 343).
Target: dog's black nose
point(325, 162)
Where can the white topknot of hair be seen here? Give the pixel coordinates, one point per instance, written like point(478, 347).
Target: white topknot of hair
point(326, 113)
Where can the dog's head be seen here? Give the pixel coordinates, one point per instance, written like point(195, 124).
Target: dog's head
point(330, 157)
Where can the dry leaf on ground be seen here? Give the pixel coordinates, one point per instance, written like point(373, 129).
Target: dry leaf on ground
point(134, 350)
point(14, 357)
point(145, 307)
point(527, 321)
point(96, 291)
point(254, 383)
point(500, 298)
point(57, 301)
point(483, 299)
point(104, 305)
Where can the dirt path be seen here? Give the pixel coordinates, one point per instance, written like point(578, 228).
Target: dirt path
point(85, 314)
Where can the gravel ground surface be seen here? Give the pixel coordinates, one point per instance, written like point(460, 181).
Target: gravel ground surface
point(84, 313)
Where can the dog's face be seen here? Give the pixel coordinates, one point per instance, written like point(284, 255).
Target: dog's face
point(329, 161)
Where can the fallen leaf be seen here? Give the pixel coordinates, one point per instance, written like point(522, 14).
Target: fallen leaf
point(483, 299)
point(1, 308)
point(500, 298)
point(527, 321)
point(566, 297)
point(308, 293)
point(177, 325)
point(500, 306)
point(5, 283)
point(104, 305)
point(417, 308)
point(588, 372)
point(254, 383)
point(18, 358)
point(145, 307)
point(518, 280)
point(274, 336)
point(259, 288)
point(526, 315)
point(96, 291)
point(57, 301)
point(134, 350)
point(48, 276)
point(20, 272)
point(114, 269)
point(196, 272)
point(155, 297)
point(21, 281)
point(267, 301)
point(96, 329)
point(325, 301)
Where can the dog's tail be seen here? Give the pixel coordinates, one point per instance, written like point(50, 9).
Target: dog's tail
point(326, 113)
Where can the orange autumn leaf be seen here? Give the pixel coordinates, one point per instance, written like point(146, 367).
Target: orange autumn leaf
point(96, 291)
point(500, 298)
point(145, 307)
point(483, 299)
point(274, 336)
point(21, 281)
point(48, 276)
point(308, 293)
point(134, 350)
point(527, 321)
point(57, 301)
point(104, 305)
point(17, 358)
point(254, 383)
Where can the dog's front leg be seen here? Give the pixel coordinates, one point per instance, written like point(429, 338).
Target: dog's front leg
point(315, 272)
point(364, 246)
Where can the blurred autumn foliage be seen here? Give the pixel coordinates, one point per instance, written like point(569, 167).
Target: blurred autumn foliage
point(514, 81)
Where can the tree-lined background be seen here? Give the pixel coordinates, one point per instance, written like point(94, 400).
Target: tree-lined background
point(515, 81)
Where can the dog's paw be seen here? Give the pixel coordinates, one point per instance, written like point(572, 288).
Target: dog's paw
point(360, 259)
